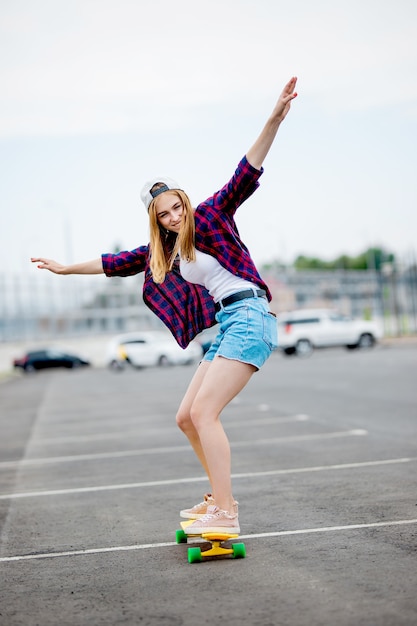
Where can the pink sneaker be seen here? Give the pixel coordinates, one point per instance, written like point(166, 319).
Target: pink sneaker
point(215, 520)
point(199, 510)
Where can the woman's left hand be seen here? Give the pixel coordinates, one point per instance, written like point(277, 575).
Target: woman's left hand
point(284, 101)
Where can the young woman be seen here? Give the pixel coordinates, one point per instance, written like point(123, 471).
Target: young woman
point(199, 272)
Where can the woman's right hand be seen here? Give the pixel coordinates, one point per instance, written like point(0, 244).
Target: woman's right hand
point(88, 267)
point(49, 264)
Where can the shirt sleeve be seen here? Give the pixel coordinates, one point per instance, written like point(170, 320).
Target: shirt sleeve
point(126, 263)
point(239, 188)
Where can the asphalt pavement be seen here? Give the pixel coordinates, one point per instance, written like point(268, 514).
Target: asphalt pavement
point(93, 473)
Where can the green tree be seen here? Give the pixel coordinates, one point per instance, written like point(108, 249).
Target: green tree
point(370, 259)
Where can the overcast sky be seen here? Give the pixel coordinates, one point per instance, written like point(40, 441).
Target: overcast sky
point(97, 96)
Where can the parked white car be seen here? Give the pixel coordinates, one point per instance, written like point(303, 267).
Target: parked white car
point(150, 348)
point(300, 332)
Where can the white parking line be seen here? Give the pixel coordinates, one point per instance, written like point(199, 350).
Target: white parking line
point(145, 546)
point(195, 479)
point(172, 449)
point(358, 432)
point(266, 421)
point(111, 436)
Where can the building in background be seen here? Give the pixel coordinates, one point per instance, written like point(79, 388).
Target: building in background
point(48, 306)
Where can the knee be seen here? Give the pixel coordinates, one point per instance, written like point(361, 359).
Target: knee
point(188, 419)
point(183, 419)
point(199, 415)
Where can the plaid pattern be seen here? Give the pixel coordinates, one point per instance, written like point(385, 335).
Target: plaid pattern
point(185, 308)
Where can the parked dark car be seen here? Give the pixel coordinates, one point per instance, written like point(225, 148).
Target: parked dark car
point(44, 359)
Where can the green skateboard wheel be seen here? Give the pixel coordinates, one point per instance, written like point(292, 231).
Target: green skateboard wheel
point(180, 536)
point(239, 550)
point(194, 555)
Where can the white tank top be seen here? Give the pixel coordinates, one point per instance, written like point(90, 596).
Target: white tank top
point(207, 271)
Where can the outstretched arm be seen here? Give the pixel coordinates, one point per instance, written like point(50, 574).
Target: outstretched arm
point(260, 148)
point(89, 267)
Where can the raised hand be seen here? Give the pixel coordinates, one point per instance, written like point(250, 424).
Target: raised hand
point(284, 101)
point(257, 153)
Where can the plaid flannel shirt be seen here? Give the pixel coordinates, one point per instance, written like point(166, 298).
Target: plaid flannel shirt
point(186, 308)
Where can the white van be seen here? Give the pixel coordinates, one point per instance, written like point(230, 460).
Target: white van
point(300, 332)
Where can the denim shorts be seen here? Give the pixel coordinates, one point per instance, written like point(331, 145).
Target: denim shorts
point(247, 332)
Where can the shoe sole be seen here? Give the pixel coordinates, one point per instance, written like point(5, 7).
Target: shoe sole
point(223, 530)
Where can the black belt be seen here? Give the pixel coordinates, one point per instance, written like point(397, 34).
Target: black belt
point(240, 295)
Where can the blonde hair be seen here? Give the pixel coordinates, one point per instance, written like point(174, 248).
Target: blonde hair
point(164, 245)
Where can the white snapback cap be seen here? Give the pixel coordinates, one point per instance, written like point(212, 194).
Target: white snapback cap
point(168, 184)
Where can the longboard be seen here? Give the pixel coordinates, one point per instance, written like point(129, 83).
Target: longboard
point(216, 541)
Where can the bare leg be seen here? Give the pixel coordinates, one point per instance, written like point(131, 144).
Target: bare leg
point(184, 414)
point(219, 384)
